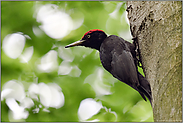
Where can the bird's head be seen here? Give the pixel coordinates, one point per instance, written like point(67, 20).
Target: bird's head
point(92, 39)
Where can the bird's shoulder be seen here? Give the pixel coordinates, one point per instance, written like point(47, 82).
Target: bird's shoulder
point(114, 51)
point(115, 42)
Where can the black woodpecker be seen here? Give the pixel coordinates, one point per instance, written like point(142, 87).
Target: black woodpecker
point(118, 57)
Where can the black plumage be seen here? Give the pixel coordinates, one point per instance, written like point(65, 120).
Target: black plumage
point(118, 57)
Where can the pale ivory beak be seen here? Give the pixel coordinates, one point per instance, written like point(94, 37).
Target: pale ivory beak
point(77, 43)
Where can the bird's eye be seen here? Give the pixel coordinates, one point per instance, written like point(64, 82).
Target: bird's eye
point(88, 36)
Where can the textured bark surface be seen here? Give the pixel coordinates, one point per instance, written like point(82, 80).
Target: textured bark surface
point(158, 28)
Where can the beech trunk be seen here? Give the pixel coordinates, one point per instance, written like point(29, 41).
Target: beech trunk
point(157, 25)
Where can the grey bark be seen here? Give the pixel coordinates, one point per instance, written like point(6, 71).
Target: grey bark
point(158, 27)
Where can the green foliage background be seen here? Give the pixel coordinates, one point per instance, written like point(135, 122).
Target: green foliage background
point(126, 102)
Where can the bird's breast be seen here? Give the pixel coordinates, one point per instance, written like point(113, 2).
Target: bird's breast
point(106, 59)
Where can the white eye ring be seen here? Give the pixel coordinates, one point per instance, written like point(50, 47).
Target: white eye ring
point(88, 36)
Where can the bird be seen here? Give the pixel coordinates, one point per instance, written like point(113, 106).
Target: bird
point(118, 57)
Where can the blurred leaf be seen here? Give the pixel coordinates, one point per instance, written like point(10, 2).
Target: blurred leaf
point(18, 16)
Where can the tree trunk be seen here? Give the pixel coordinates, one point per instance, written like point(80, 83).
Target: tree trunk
point(157, 25)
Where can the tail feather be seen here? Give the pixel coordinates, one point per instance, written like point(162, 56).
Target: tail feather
point(143, 96)
point(144, 87)
point(143, 92)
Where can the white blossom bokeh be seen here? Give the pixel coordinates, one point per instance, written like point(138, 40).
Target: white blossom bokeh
point(18, 99)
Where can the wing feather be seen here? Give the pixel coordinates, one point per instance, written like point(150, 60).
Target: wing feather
point(124, 69)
